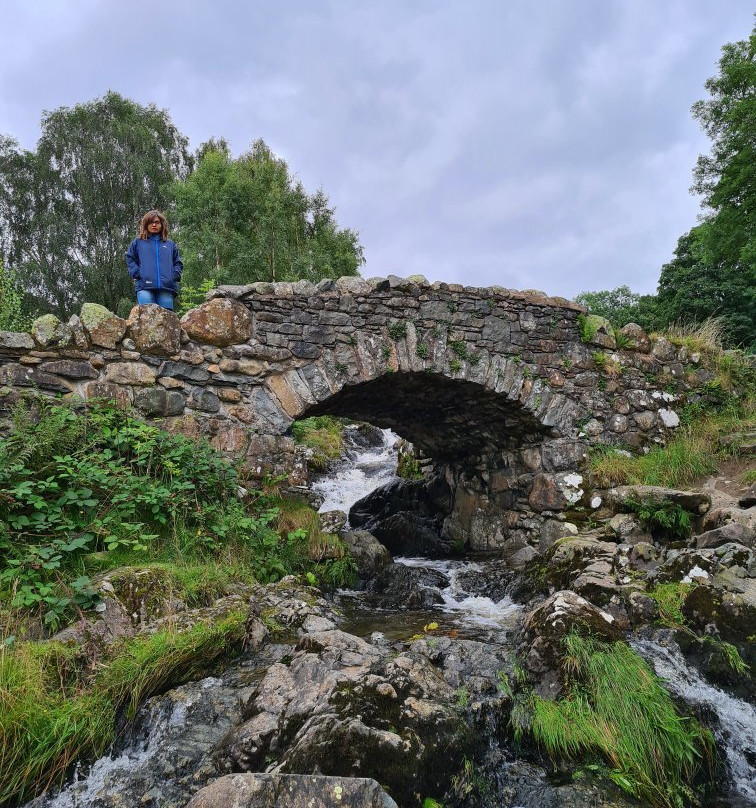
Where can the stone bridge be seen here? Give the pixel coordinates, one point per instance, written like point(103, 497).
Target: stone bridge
point(499, 387)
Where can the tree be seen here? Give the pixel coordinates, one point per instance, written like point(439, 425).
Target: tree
point(247, 219)
point(621, 306)
point(69, 210)
point(713, 272)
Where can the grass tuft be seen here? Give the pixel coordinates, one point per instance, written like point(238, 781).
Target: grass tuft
point(52, 715)
point(618, 713)
point(324, 435)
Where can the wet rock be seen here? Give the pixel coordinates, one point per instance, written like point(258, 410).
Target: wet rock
point(155, 330)
point(219, 322)
point(732, 532)
point(407, 516)
point(102, 326)
point(368, 553)
point(291, 790)
point(543, 632)
point(400, 586)
point(363, 436)
point(343, 707)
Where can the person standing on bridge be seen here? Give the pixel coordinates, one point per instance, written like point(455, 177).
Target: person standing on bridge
point(154, 262)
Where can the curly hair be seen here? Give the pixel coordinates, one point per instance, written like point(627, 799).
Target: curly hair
point(150, 216)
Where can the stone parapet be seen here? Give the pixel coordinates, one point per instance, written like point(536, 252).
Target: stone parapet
point(495, 384)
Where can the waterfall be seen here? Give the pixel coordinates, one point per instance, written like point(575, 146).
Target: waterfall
point(736, 731)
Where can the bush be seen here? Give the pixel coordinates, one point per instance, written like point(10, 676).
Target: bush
point(87, 490)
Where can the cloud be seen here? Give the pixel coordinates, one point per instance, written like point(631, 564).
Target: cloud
point(545, 145)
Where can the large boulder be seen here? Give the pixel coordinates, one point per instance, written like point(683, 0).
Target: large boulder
point(343, 707)
point(407, 516)
point(155, 330)
point(398, 586)
point(541, 640)
point(103, 328)
point(219, 322)
point(368, 553)
point(695, 502)
point(291, 790)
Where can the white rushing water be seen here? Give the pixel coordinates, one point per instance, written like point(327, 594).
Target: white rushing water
point(470, 608)
point(736, 734)
point(356, 476)
point(104, 779)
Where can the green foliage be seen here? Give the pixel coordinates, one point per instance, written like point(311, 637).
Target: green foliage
point(192, 296)
point(422, 350)
point(600, 358)
point(69, 209)
point(669, 599)
point(324, 435)
point(52, 713)
point(587, 327)
point(692, 454)
point(664, 519)
point(408, 466)
point(12, 316)
point(397, 330)
point(459, 347)
point(617, 713)
point(248, 219)
point(714, 268)
point(621, 306)
point(455, 365)
point(77, 485)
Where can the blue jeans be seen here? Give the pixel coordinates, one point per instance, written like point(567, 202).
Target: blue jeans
point(162, 297)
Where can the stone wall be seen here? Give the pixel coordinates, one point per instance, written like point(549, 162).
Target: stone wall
point(496, 385)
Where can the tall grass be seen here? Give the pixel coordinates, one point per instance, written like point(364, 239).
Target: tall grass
point(618, 714)
point(53, 713)
point(692, 454)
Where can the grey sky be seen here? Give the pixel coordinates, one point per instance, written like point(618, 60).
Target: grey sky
point(535, 144)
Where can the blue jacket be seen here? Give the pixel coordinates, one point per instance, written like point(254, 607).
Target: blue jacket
point(154, 264)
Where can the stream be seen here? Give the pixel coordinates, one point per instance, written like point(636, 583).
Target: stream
point(168, 749)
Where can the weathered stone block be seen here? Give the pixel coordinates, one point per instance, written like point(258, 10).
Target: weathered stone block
point(155, 330)
point(135, 373)
point(205, 401)
point(49, 332)
point(111, 392)
point(102, 326)
point(72, 370)
point(219, 322)
point(16, 340)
